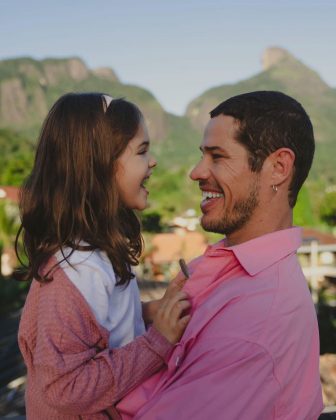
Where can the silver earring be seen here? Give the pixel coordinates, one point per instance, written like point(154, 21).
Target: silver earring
point(274, 188)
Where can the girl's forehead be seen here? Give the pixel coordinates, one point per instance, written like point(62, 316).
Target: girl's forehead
point(141, 136)
point(142, 133)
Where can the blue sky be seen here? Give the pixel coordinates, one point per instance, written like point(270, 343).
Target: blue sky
point(175, 48)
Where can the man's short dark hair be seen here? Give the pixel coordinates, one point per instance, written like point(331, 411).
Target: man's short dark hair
point(268, 121)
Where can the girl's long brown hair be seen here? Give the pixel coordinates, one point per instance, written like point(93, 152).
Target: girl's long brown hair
point(71, 194)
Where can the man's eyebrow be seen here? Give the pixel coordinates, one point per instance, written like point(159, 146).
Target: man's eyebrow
point(211, 149)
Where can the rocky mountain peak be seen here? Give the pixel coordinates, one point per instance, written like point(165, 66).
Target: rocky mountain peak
point(28, 87)
point(77, 69)
point(58, 69)
point(274, 55)
point(106, 73)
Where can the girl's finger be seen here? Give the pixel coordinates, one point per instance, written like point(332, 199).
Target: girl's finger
point(180, 296)
point(184, 268)
point(176, 284)
point(184, 321)
point(178, 308)
point(179, 281)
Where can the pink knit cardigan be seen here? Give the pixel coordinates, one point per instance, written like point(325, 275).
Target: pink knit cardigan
point(71, 371)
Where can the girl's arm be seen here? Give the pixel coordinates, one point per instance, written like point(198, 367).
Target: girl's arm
point(149, 309)
point(73, 370)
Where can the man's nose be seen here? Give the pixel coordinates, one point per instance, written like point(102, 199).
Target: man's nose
point(200, 171)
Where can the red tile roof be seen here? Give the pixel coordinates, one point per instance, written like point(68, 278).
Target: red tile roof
point(168, 247)
point(10, 193)
point(322, 238)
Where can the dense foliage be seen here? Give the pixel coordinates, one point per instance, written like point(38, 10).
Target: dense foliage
point(16, 157)
point(328, 208)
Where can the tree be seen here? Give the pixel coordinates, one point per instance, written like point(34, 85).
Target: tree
point(16, 158)
point(151, 222)
point(328, 208)
point(303, 210)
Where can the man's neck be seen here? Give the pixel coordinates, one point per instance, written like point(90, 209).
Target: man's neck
point(259, 226)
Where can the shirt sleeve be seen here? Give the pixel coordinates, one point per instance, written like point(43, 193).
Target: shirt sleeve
point(75, 372)
point(232, 379)
point(94, 284)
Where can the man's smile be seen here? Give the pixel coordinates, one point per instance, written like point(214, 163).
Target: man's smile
point(209, 198)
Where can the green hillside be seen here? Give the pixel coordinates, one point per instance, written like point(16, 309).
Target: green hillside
point(29, 87)
point(16, 158)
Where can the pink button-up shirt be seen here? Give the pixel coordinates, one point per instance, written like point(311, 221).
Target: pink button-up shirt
point(251, 349)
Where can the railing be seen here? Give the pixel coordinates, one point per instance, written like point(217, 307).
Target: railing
point(315, 271)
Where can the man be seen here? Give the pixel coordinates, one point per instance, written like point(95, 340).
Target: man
point(251, 349)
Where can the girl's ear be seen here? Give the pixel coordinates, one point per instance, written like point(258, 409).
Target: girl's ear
point(281, 165)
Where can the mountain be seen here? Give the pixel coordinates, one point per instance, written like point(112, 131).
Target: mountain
point(283, 72)
point(29, 87)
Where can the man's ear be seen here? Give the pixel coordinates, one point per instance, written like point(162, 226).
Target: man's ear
point(281, 165)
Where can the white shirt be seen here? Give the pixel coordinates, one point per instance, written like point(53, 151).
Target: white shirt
point(117, 308)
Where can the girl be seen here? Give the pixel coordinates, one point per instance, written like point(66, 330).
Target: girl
point(82, 333)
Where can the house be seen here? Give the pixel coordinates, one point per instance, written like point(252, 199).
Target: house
point(9, 193)
point(161, 262)
point(181, 243)
point(323, 238)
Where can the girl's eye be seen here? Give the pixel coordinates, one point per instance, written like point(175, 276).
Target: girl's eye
point(142, 152)
point(215, 156)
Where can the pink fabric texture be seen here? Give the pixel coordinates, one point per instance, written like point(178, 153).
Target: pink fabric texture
point(71, 372)
point(251, 349)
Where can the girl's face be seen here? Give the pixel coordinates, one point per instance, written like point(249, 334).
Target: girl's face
point(134, 167)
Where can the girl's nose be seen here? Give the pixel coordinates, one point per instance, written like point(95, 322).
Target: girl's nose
point(152, 162)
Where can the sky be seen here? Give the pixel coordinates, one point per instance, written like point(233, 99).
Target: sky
point(176, 49)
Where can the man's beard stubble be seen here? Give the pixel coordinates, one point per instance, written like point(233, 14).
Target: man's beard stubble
point(241, 213)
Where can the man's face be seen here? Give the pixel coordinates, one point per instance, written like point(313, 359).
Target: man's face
point(230, 191)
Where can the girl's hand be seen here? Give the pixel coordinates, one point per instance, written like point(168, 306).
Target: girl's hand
point(170, 319)
point(175, 285)
point(149, 309)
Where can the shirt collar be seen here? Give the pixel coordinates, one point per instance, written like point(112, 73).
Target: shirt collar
point(260, 253)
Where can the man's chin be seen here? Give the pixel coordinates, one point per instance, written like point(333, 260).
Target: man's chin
point(214, 226)
point(222, 226)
